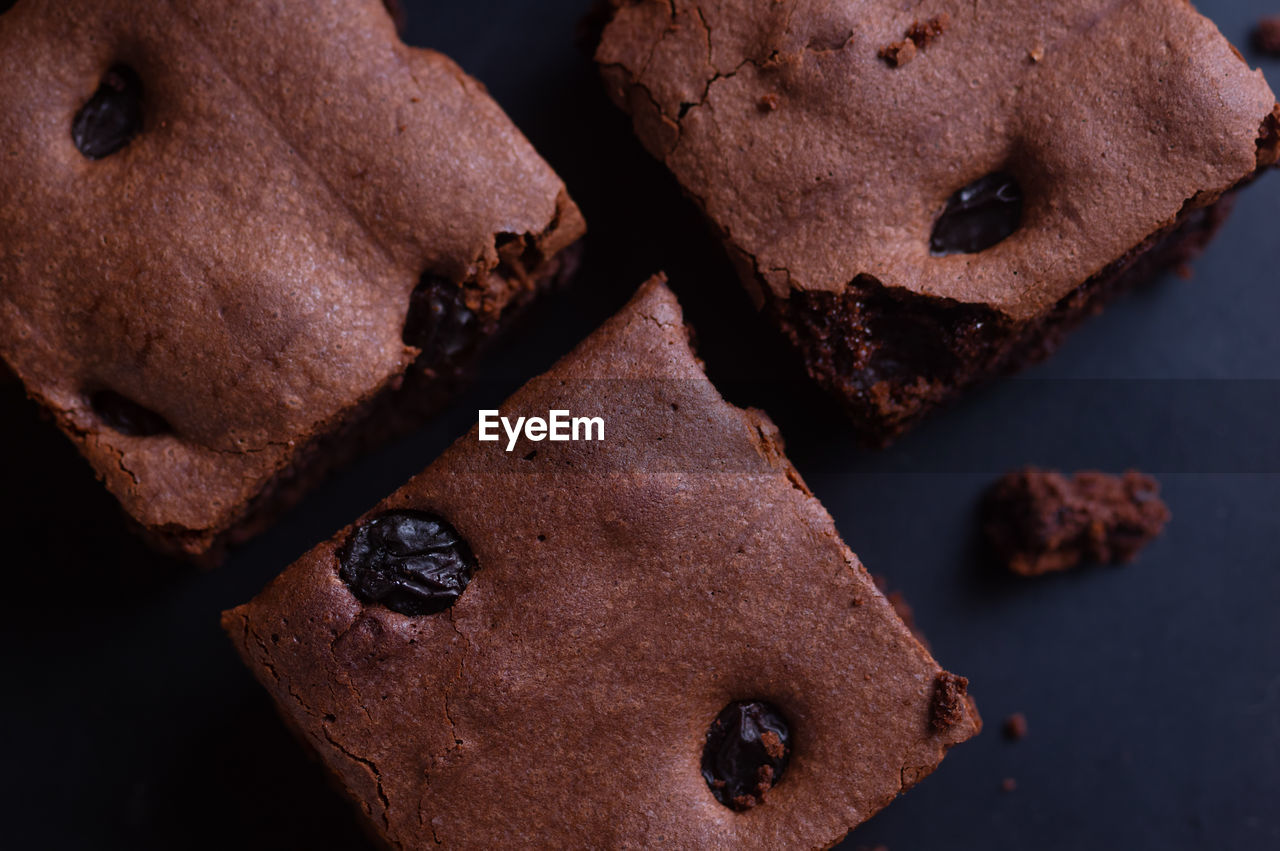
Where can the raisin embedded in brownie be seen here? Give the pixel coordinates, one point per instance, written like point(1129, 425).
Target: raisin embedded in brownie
point(228, 233)
point(655, 640)
point(1040, 521)
point(927, 194)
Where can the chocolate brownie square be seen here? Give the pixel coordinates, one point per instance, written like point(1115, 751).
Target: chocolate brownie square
point(657, 639)
point(924, 195)
point(230, 232)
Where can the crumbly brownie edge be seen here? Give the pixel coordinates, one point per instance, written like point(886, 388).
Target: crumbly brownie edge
point(831, 330)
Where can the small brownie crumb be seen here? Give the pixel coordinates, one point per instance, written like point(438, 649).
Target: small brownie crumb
point(1015, 727)
point(924, 34)
point(1266, 35)
point(1008, 785)
point(948, 707)
point(769, 102)
point(898, 53)
point(1040, 521)
point(917, 37)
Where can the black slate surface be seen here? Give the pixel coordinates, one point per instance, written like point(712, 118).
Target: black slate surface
point(1152, 691)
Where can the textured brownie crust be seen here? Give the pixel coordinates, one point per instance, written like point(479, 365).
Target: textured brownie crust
point(626, 592)
point(242, 268)
point(824, 140)
point(1040, 521)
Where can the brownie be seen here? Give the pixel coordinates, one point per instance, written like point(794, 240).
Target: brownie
point(1039, 521)
point(924, 195)
point(229, 237)
point(657, 639)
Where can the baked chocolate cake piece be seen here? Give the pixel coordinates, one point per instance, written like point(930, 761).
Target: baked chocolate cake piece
point(229, 231)
point(653, 640)
point(927, 194)
point(1039, 521)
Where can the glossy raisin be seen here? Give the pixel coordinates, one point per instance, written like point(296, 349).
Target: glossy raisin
point(126, 416)
point(439, 322)
point(411, 562)
point(746, 753)
point(978, 216)
point(112, 117)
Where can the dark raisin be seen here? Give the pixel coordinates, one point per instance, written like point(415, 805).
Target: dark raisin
point(746, 753)
point(411, 562)
point(978, 216)
point(126, 416)
point(439, 322)
point(112, 117)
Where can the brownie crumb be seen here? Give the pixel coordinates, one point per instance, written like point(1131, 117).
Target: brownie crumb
point(1266, 35)
point(769, 102)
point(1039, 521)
point(1036, 53)
point(925, 34)
point(773, 747)
point(1008, 785)
point(948, 707)
point(917, 37)
point(898, 53)
point(1015, 727)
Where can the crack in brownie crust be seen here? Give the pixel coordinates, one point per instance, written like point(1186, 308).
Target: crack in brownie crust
point(625, 593)
point(218, 213)
point(1112, 127)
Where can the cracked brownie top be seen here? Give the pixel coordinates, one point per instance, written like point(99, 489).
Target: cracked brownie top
point(832, 140)
point(213, 215)
point(656, 640)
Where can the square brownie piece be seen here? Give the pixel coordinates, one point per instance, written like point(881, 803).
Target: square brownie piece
point(230, 233)
point(927, 194)
point(657, 639)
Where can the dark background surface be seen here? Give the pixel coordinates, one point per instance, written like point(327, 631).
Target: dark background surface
point(1152, 691)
